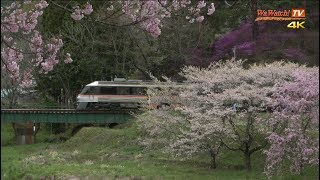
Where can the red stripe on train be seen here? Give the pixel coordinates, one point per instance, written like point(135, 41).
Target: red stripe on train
point(114, 96)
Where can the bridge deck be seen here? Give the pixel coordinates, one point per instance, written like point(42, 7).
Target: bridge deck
point(66, 115)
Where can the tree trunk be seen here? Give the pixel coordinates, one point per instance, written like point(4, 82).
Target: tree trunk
point(13, 99)
point(247, 164)
point(213, 163)
point(300, 162)
point(300, 167)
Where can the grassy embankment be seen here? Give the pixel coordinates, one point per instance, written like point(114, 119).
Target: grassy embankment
point(102, 153)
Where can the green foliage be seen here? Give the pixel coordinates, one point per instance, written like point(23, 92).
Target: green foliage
point(7, 134)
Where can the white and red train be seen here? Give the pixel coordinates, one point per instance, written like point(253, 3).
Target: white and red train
point(113, 94)
point(118, 94)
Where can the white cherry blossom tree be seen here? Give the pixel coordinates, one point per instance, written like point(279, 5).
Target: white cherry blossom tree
point(225, 105)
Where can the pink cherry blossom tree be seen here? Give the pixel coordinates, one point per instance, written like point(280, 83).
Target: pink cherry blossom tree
point(24, 50)
point(150, 15)
point(296, 120)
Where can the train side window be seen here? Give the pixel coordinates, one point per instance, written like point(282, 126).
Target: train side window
point(138, 90)
point(108, 90)
point(123, 91)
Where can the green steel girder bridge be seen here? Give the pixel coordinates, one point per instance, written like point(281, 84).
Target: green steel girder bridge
point(65, 115)
point(26, 122)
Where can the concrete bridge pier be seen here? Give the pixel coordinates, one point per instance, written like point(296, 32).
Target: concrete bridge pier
point(25, 133)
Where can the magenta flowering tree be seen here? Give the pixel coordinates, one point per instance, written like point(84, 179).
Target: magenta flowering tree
point(296, 120)
point(271, 43)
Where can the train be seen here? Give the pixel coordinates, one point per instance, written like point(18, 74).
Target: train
point(117, 94)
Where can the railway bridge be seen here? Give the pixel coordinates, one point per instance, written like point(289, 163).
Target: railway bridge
point(26, 122)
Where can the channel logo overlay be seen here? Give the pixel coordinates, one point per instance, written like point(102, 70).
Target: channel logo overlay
point(295, 15)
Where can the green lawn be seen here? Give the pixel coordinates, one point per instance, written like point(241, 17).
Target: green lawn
point(102, 153)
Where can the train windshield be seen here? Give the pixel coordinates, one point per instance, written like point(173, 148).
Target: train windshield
point(105, 90)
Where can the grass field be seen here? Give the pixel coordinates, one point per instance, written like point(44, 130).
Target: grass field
point(102, 153)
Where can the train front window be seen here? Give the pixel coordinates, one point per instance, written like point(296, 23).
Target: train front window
point(85, 90)
point(93, 90)
point(90, 90)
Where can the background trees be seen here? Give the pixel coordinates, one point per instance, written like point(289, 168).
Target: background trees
point(120, 17)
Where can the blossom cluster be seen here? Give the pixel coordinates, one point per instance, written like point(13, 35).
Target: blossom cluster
point(15, 18)
point(149, 14)
point(79, 13)
point(18, 27)
point(11, 59)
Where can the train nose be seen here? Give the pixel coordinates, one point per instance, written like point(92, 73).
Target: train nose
point(79, 98)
